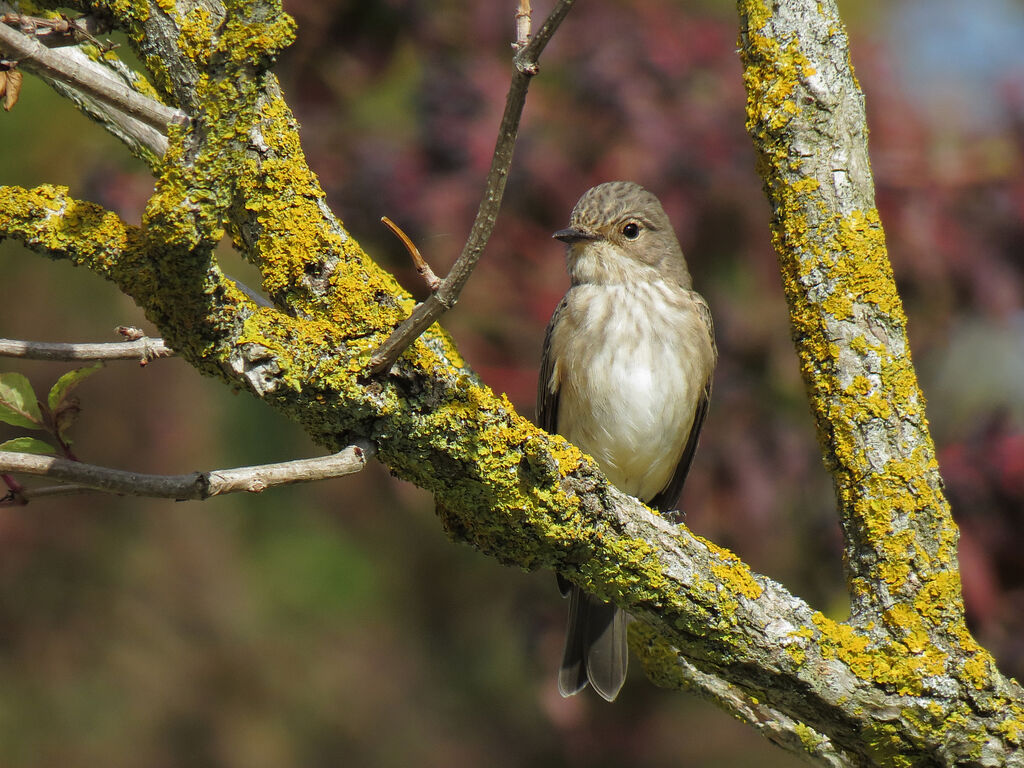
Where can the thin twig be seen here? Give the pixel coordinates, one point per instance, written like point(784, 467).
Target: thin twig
point(523, 21)
point(433, 281)
point(439, 302)
point(37, 57)
point(60, 31)
point(143, 350)
point(25, 495)
point(194, 486)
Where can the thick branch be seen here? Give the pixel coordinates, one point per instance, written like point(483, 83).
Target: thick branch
point(806, 117)
point(47, 219)
point(447, 294)
point(668, 669)
point(196, 486)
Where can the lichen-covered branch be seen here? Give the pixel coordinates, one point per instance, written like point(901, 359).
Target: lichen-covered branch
point(101, 86)
point(667, 668)
point(901, 683)
point(805, 114)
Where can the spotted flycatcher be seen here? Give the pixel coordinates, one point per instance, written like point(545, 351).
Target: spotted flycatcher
point(626, 376)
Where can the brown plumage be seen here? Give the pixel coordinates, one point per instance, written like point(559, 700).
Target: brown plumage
point(626, 376)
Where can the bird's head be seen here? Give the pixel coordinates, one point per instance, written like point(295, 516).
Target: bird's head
point(619, 233)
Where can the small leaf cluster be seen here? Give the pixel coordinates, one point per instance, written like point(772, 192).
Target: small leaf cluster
point(20, 407)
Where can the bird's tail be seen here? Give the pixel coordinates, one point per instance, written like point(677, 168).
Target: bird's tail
point(595, 647)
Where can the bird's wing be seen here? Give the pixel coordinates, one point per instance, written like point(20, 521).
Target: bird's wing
point(666, 498)
point(547, 399)
point(547, 402)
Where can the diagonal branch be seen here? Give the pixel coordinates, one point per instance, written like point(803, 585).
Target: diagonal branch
point(59, 31)
point(444, 298)
point(668, 669)
point(807, 120)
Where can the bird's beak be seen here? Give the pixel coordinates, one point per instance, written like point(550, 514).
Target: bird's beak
point(573, 235)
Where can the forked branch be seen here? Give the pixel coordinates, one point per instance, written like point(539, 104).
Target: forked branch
point(444, 298)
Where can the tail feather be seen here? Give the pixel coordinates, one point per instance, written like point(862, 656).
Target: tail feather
point(595, 647)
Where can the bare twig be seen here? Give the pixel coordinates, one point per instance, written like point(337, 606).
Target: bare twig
point(433, 281)
point(194, 486)
point(523, 21)
point(24, 495)
point(143, 349)
point(50, 63)
point(445, 297)
point(60, 31)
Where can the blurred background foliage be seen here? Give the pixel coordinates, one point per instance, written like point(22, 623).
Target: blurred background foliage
point(334, 623)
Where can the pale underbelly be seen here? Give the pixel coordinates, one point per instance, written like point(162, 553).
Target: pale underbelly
point(632, 412)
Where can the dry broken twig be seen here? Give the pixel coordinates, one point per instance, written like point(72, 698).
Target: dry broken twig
point(523, 21)
point(433, 281)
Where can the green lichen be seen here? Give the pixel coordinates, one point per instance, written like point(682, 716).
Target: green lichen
point(49, 220)
point(796, 643)
point(899, 666)
point(732, 574)
point(659, 657)
point(1012, 724)
point(197, 32)
point(811, 740)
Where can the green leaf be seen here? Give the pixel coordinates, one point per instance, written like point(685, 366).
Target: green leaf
point(64, 417)
point(65, 384)
point(18, 405)
point(27, 445)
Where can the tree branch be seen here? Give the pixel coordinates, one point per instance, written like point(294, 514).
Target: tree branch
point(143, 350)
point(668, 669)
point(911, 685)
point(57, 32)
point(62, 67)
point(806, 117)
point(196, 486)
point(524, 18)
point(444, 298)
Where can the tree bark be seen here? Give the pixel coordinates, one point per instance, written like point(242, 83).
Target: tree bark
point(902, 682)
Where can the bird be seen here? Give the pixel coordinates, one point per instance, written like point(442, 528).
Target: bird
point(625, 375)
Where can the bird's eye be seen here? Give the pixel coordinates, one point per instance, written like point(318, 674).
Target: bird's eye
point(631, 231)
